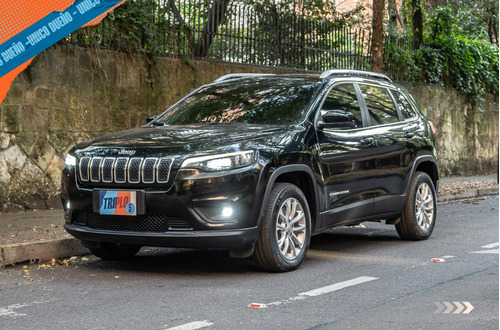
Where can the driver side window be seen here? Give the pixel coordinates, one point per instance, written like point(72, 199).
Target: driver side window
point(342, 100)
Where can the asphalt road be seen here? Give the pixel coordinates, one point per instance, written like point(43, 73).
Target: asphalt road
point(353, 278)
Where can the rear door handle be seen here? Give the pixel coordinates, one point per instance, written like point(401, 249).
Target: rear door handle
point(409, 135)
point(366, 142)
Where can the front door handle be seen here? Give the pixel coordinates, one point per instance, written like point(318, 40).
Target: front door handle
point(366, 142)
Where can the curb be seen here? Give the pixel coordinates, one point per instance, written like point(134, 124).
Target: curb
point(467, 194)
point(40, 250)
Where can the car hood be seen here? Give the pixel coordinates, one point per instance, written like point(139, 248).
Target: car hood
point(193, 139)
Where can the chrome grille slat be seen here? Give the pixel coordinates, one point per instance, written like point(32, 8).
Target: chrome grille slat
point(148, 170)
point(95, 169)
point(107, 169)
point(120, 170)
point(163, 170)
point(134, 170)
point(84, 168)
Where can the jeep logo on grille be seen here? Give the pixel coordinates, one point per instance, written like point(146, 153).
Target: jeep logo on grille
point(126, 152)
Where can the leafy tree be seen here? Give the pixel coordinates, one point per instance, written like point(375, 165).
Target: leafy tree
point(456, 51)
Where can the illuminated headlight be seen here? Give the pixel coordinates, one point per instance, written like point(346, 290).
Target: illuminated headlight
point(221, 162)
point(70, 160)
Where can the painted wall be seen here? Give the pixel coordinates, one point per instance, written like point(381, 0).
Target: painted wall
point(67, 96)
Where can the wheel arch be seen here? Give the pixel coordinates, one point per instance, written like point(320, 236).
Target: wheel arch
point(426, 164)
point(429, 166)
point(303, 177)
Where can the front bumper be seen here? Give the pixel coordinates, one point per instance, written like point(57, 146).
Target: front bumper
point(217, 239)
point(185, 214)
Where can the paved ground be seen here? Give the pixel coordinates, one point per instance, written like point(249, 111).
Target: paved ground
point(352, 278)
point(40, 236)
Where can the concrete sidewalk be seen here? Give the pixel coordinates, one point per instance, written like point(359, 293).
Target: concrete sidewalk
point(39, 235)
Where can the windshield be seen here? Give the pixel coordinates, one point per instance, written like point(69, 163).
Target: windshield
point(277, 101)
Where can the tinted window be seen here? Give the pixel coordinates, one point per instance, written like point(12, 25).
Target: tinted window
point(404, 105)
point(252, 101)
point(380, 106)
point(342, 99)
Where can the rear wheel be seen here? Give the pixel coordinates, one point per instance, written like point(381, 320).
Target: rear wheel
point(419, 214)
point(286, 230)
point(114, 251)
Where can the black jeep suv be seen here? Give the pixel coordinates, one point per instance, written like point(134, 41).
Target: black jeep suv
point(256, 164)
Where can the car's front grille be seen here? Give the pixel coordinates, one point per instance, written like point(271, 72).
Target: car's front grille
point(133, 170)
point(140, 223)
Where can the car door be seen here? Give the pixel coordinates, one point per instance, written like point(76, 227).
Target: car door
point(346, 158)
point(395, 138)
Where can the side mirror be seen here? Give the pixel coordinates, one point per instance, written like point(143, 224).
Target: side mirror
point(338, 119)
point(150, 118)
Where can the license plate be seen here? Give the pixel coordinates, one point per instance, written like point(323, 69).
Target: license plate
point(118, 202)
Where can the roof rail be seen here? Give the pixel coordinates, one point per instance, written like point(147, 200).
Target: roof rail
point(329, 73)
point(241, 75)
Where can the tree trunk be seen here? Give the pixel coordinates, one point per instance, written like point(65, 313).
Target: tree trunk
point(418, 23)
point(215, 18)
point(182, 23)
point(378, 35)
point(394, 16)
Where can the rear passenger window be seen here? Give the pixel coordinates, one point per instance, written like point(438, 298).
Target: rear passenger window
point(343, 99)
point(404, 105)
point(381, 109)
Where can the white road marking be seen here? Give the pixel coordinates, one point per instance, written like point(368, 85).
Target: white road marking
point(192, 325)
point(491, 246)
point(338, 286)
point(326, 289)
point(487, 251)
point(10, 310)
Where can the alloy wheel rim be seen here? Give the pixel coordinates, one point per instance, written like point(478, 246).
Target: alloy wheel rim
point(291, 229)
point(424, 206)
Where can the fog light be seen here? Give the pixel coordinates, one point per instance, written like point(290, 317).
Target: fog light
point(227, 211)
point(216, 213)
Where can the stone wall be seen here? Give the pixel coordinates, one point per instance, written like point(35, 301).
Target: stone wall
point(467, 132)
point(67, 96)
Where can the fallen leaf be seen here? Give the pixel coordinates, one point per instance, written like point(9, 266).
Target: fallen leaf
point(9, 224)
point(117, 276)
point(85, 259)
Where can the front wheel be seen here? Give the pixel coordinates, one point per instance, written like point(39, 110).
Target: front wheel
point(286, 230)
point(419, 213)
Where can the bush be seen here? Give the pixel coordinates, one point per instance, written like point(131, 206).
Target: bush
point(456, 52)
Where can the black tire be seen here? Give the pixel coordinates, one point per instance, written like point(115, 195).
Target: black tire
point(283, 244)
point(115, 251)
point(419, 213)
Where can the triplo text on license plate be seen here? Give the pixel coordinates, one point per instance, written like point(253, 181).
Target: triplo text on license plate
point(118, 202)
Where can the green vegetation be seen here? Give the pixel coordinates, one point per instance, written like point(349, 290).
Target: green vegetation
point(457, 51)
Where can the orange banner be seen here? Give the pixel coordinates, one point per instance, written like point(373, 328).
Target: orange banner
point(18, 15)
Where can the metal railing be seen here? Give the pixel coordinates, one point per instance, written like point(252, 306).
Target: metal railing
point(269, 34)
